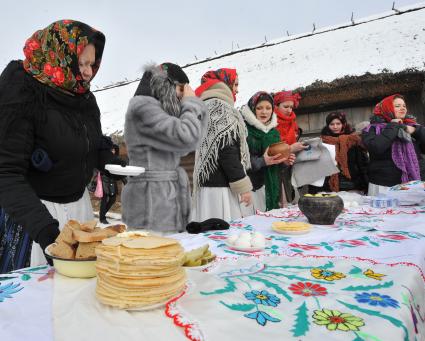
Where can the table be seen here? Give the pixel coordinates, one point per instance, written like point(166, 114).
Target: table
point(360, 279)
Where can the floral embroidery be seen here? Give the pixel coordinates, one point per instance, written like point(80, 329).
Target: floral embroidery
point(7, 290)
point(326, 274)
point(374, 275)
point(304, 246)
point(261, 317)
point(335, 320)
point(393, 236)
point(308, 289)
point(375, 299)
point(262, 297)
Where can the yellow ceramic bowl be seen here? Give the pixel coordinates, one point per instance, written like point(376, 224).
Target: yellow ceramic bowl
point(78, 268)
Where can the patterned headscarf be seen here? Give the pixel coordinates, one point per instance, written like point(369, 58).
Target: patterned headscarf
point(258, 97)
point(51, 54)
point(227, 76)
point(283, 96)
point(385, 109)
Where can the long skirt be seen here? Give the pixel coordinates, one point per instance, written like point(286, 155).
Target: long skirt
point(259, 199)
point(15, 245)
point(80, 210)
point(218, 202)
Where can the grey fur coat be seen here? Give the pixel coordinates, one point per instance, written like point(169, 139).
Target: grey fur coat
point(159, 199)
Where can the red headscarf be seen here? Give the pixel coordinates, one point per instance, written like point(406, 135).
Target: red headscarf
point(287, 125)
point(227, 76)
point(385, 109)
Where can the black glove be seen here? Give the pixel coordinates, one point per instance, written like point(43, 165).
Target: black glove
point(207, 225)
point(48, 236)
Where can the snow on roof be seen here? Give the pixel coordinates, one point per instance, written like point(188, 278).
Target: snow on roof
point(387, 43)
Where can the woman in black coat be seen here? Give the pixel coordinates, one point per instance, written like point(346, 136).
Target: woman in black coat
point(395, 142)
point(50, 138)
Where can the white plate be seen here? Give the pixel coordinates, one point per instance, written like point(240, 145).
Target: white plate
point(128, 170)
point(245, 249)
point(200, 267)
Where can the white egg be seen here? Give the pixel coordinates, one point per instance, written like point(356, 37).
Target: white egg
point(258, 234)
point(347, 204)
point(258, 242)
point(232, 239)
point(242, 243)
point(354, 204)
point(245, 235)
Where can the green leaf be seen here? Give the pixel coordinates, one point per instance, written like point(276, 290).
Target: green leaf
point(25, 277)
point(355, 270)
point(230, 287)
point(7, 278)
point(367, 336)
point(391, 319)
point(301, 326)
point(369, 287)
point(37, 268)
point(374, 243)
point(272, 285)
point(239, 306)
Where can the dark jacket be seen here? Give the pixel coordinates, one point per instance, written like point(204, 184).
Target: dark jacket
point(66, 127)
point(382, 170)
point(229, 167)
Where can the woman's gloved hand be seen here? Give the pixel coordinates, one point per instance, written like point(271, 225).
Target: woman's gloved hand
point(48, 236)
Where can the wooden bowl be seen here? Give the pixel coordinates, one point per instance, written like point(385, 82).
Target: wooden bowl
point(279, 148)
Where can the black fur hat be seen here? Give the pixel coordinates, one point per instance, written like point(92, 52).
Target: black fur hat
point(175, 72)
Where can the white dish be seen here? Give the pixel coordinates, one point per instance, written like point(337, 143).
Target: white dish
point(245, 249)
point(200, 267)
point(128, 170)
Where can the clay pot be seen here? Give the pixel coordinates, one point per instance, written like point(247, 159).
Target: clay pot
point(321, 210)
point(279, 148)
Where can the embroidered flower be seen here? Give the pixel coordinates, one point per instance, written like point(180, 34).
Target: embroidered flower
point(326, 274)
point(262, 297)
point(304, 246)
point(261, 317)
point(353, 242)
point(335, 320)
point(308, 289)
point(7, 290)
point(393, 236)
point(371, 274)
point(375, 299)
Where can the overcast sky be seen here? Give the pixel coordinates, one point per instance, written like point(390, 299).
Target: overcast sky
point(139, 31)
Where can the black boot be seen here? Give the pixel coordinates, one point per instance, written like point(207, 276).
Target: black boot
point(104, 221)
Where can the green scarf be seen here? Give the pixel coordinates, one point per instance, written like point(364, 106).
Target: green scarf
point(258, 141)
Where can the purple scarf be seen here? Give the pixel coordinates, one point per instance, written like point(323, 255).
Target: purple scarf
point(403, 155)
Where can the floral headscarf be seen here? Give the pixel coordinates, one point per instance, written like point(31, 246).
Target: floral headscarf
point(227, 76)
point(51, 54)
point(385, 109)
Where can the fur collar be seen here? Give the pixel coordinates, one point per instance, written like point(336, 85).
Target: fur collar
point(221, 91)
point(252, 120)
point(156, 83)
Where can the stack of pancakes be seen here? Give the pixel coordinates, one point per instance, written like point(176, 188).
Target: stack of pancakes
point(135, 271)
point(290, 226)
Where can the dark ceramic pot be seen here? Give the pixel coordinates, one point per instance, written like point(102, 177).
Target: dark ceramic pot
point(321, 210)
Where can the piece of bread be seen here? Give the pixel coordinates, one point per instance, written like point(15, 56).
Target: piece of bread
point(66, 234)
point(86, 250)
point(98, 234)
point(89, 226)
point(62, 250)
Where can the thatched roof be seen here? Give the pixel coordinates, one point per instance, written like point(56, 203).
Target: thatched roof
point(358, 90)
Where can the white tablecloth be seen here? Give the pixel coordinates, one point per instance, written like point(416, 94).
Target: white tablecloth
point(35, 305)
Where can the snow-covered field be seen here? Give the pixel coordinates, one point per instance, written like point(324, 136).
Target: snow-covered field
point(381, 43)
